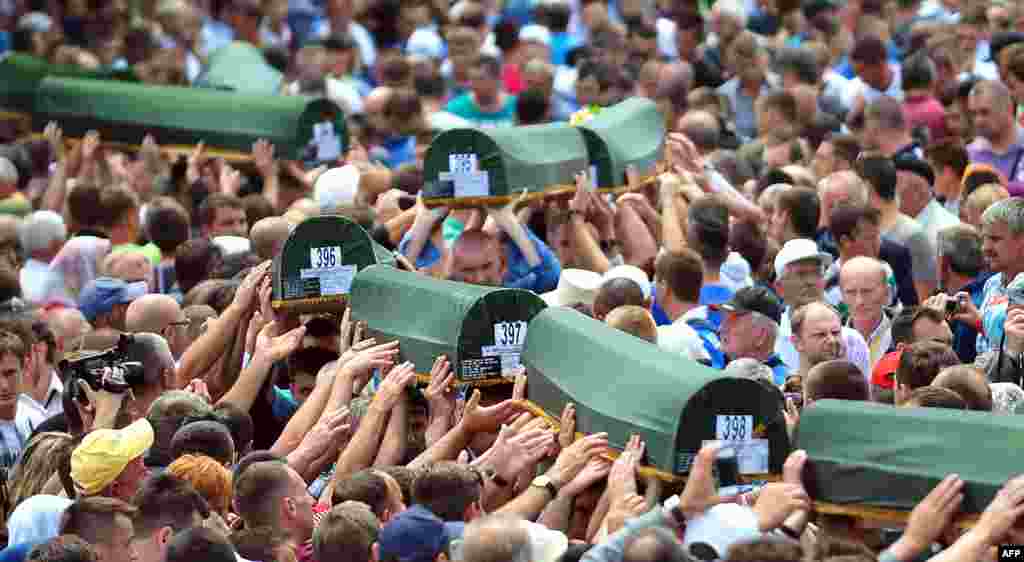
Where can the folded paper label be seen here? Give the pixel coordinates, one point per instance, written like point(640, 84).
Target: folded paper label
point(325, 257)
point(333, 280)
point(328, 143)
point(752, 455)
point(465, 175)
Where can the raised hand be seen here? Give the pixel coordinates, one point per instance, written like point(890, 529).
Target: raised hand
point(1002, 513)
point(777, 501)
point(440, 393)
point(363, 363)
point(280, 347)
point(580, 202)
point(54, 136)
point(513, 452)
point(248, 289)
point(199, 388)
point(567, 426)
point(393, 386)
point(230, 179)
point(478, 419)
point(930, 518)
point(90, 144)
point(622, 480)
point(573, 458)
point(593, 472)
point(263, 158)
point(196, 159)
point(700, 492)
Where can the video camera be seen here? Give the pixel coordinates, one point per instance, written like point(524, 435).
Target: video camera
point(93, 369)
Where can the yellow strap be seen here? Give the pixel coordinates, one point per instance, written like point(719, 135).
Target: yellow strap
point(551, 191)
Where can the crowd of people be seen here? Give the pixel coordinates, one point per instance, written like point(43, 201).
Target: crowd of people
point(839, 214)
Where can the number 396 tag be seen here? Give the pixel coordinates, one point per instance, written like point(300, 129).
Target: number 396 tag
point(325, 257)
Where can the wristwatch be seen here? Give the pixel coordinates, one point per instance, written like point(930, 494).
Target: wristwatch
point(671, 506)
point(544, 481)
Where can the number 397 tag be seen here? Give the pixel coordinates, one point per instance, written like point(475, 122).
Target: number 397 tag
point(510, 334)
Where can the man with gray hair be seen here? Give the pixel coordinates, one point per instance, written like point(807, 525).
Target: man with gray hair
point(504, 538)
point(1002, 230)
point(703, 129)
point(750, 326)
point(961, 272)
point(1000, 140)
point(42, 235)
point(158, 370)
point(866, 292)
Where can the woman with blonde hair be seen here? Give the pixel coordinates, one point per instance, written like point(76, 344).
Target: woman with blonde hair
point(42, 459)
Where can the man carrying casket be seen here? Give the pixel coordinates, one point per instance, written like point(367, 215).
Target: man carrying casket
point(502, 253)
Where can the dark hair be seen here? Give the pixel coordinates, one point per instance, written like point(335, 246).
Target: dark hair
point(257, 207)
point(880, 173)
point(801, 62)
point(239, 423)
point(978, 178)
point(709, 219)
point(745, 237)
point(309, 361)
point(84, 205)
point(367, 486)
point(783, 102)
point(844, 146)
point(920, 362)
point(927, 313)
point(804, 208)
point(598, 70)
point(93, 518)
point(210, 438)
point(903, 326)
point(194, 261)
point(869, 49)
point(260, 543)
point(346, 532)
point(949, 152)
point(490, 65)
point(167, 227)
point(846, 218)
point(618, 292)
point(63, 548)
point(837, 379)
point(258, 489)
point(405, 477)
point(208, 209)
point(936, 397)
point(200, 544)
point(250, 459)
point(117, 201)
point(532, 107)
point(918, 72)
point(447, 489)
point(682, 272)
point(164, 500)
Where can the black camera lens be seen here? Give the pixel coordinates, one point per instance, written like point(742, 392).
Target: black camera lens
point(728, 468)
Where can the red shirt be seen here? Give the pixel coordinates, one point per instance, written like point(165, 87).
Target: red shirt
point(928, 112)
point(884, 373)
point(512, 78)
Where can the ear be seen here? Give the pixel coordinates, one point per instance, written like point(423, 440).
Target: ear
point(441, 557)
point(796, 342)
point(163, 536)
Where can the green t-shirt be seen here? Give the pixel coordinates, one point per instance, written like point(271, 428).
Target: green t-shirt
point(150, 250)
point(464, 107)
point(17, 204)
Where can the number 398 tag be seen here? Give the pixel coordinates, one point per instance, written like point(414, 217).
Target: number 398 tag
point(734, 428)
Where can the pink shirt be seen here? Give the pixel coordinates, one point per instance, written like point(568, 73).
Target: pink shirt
point(926, 111)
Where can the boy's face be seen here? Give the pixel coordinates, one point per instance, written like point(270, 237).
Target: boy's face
point(302, 386)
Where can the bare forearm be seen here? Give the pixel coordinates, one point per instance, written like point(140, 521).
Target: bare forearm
point(587, 249)
point(557, 513)
point(207, 349)
point(639, 242)
point(673, 227)
point(447, 448)
point(392, 447)
point(399, 224)
point(361, 451)
point(53, 199)
point(528, 504)
point(246, 389)
point(299, 425)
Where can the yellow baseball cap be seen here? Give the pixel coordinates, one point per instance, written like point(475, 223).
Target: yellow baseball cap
point(103, 454)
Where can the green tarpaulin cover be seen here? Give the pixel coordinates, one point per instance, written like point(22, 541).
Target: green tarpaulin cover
point(314, 271)
point(473, 167)
point(241, 67)
point(20, 75)
point(623, 385)
point(480, 329)
point(125, 112)
point(881, 456)
point(630, 132)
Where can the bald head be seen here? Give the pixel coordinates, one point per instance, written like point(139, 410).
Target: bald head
point(806, 97)
point(9, 228)
point(159, 314)
point(702, 128)
point(496, 538)
point(128, 266)
point(864, 266)
point(68, 326)
point(268, 236)
point(635, 320)
point(477, 258)
point(377, 100)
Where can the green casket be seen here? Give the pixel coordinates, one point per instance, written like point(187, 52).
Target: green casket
point(484, 167)
point(320, 258)
point(623, 385)
point(241, 67)
point(20, 75)
point(480, 329)
point(877, 456)
point(230, 122)
point(628, 133)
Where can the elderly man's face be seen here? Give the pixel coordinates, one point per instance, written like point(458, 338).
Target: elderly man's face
point(802, 283)
point(865, 292)
point(738, 334)
point(988, 121)
point(229, 222)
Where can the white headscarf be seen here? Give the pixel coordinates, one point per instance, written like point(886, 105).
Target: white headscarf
point(36, 520)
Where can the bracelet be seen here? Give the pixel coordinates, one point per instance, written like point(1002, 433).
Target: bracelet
point(789, 532)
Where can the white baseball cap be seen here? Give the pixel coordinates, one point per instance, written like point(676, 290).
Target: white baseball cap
point(574, 286)
point(337, 187)
point(536, 34)
point(710, 534)
point(632, 273)
point(799, 249)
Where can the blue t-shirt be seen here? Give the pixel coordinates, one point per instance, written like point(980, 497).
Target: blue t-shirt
point(465, 107)
point(284, 404)
point(715, 293)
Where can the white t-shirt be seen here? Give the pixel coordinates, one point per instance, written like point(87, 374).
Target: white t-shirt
point(679, 337)
point(894, 91)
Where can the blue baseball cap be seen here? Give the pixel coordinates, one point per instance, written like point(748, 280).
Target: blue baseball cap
point(101, 294)
point(416, 535)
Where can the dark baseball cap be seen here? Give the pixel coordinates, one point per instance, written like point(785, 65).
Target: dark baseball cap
point(1002, 40)
point(755, 299)
point(917, 167)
